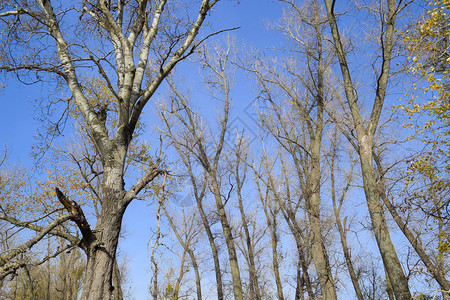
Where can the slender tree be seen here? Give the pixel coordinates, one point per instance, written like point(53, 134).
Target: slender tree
point(365, 134)
point(196, 138)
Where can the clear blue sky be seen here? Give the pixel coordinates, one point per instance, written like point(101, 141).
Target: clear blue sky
point(252, 16)
point(18, 126)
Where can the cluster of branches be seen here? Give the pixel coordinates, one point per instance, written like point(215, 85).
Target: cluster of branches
point(283, 214)
point(290, 202)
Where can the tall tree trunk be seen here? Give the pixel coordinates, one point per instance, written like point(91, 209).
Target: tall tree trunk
point(317, 248)
point(348, 258)
point(365, 136)
point(337, 210)
point(253, 277)
point(301, 247)
point(255, 293)
point(289, 215)
point(229, 240)
point(389, 289)
point(176, 289)
point(198, 285)
point(318, 251)
point(380, 229)
point(299, 295)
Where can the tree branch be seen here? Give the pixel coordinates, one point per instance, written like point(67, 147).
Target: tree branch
point(76, 215)
point(31, 242)
point(28, 224)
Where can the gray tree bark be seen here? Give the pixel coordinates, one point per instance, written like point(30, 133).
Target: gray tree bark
point(365, 140)
point(129, 65)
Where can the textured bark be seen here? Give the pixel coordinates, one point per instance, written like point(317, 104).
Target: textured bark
point(101, 248)
point(389, 289)
point(365, 136)
point(129, 34)
point(317, 248)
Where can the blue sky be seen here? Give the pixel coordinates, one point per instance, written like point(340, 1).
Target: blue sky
point(18, 127)
point(252, 16)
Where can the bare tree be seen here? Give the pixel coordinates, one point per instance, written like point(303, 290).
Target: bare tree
point(125, 43)
point(195, 140)
point(363, 142)
point(187, 235)
point(296, 92)
point(238, 164)
point(199, 189)
point(271, 212)
point(338, 201)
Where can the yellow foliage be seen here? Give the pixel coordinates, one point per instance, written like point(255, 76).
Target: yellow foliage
point(427, 181)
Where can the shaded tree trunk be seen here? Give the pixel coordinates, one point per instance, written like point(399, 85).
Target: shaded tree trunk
point(101, 258)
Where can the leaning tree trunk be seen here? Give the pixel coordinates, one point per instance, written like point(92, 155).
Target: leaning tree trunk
point(365, 137)
point(381, 231)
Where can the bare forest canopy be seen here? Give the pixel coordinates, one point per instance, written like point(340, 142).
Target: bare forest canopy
point(308, 161)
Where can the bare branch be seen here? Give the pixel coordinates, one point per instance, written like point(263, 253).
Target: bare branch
point(54, 231)
point(31, 242)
